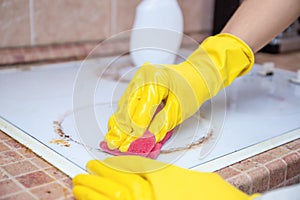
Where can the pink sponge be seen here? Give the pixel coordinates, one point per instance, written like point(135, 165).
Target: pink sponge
point(144, 146)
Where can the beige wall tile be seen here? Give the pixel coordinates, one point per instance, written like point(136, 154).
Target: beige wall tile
point(198, 14)
point(14, 23)
point(124, 14)
point(60, 21)
point(63, 21)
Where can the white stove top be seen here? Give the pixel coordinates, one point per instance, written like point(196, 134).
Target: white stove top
point(60, 111)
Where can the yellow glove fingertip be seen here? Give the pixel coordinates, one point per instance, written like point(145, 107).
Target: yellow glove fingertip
point(114, 138)
point(84, 193)
point(116, 134)
point(94, 167)
point(126, 144)
point(254, 196)
point(77, 179)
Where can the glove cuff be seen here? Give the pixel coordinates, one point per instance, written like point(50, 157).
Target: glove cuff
point(244, 47)
point(231, 56)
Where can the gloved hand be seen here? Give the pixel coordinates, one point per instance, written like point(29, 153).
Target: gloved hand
point(182, 88)
point(138, 178)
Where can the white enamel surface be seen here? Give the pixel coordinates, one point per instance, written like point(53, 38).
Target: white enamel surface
point(253, 111)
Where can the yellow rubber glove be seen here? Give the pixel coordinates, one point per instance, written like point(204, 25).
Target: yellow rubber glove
point(182, 88)
point(138, 178)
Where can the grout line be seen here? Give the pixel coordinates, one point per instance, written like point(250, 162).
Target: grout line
point(251, 182)
point(285, 170)
point(19, 192)
point(38, 186)
point(21, 186)
point(31, 22)
point(39, 166)
point(17, 161)
point(13, 178)
point(268, 176)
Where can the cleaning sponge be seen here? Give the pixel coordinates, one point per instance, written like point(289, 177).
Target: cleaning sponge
point(145, 146)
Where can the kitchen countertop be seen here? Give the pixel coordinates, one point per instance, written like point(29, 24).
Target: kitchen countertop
point(24, 175)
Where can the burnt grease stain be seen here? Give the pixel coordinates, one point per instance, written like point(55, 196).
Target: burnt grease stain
point(193, 145)
point(66, 139)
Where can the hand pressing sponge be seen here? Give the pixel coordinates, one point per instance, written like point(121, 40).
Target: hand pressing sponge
point(145, 146)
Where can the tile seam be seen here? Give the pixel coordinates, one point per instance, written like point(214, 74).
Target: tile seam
point(37, 186)
point(58, 179)
point(18, 192)
point(22, 187)
point(285, 171)
point(251, 182)
point(11, 150)
point(21, 174)
point(268, 174)
point(46, 185)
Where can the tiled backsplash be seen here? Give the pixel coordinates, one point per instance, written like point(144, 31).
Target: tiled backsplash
point(44, 22)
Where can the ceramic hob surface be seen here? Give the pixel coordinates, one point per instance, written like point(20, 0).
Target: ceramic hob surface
point(65, 107)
